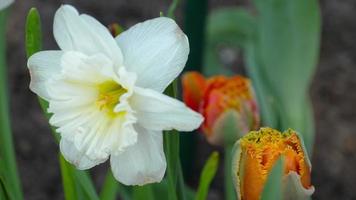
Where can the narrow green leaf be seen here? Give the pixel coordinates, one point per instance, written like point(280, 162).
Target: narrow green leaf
point(111, 188)
point(230, 27)
point(7, 154)
point(273, 187)
point(33, 32)
point(207, 176)
point(195, 15)
point(292, 29)
point(143, 192)
point(171, 148)
point(67, 180)
point(172, 8)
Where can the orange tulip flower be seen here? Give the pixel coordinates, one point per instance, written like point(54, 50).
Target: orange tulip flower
point(219, 98)
point(257, 152)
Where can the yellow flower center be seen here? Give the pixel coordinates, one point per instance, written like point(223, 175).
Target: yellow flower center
point(109, 96)
point(261, 149)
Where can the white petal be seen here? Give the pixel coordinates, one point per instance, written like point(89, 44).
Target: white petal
point(84, 34)
point(5, 3)
point(43, 66)
point(77, 158)
point(293, 188)
point(156, 50)
point(78, 67)
point(156, 111)
point(93, 134)
point(143, 162)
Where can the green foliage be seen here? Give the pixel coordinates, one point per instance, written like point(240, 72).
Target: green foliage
point(288, 35)
point(281, 46)
point(273, 187)
point(9, 179)
point(207, 176)
point(171, 149)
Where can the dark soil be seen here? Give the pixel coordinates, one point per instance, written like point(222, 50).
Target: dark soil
point(333, 93)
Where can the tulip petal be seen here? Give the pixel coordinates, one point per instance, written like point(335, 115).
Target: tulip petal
point(236, 161)
point(143, 162)
point(156, 50)
point(193, 89)
point(43, 66)
point(156, 111)
point(293, 188)
point(76, 157)
point(74, 32)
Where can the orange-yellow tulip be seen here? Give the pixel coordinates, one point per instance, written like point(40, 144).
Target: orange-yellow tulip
point(256, 153)
point(218, 98)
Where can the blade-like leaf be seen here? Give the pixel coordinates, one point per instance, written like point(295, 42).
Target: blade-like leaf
point(288, 47)
point(111, 188)
point(207, 176)
point(68, 181)
point(231, 27)
point(273, 187)
point(8, 166)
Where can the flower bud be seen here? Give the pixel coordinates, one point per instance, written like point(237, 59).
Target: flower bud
point(256, 153)
point(225, 102)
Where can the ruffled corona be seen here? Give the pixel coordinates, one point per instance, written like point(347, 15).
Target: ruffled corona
point(220, 97)
point(256, 154)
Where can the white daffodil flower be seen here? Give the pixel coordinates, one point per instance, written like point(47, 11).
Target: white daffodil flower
point(5, 3)
point(106, 96)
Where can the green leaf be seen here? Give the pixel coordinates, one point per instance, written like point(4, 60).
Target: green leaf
point(207, 176)
point(77, 184)
point(231, 27)
point(171, 149)
point(273, 187)
point(33, 32)
point(288, 48)
point(8, 167)
point(143, 192)
point(111, 188)
point(68, 181)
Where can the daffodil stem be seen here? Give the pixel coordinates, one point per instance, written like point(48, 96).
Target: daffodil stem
point(7, 156)
point(194, 26)
point(229, 186)
point(172, 8)
point(171, 146)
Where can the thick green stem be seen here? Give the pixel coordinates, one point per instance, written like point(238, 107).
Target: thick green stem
point(194, 27)
point(229, 186)
point(171, 147)
point(7, 154)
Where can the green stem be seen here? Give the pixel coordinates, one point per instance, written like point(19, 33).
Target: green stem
point(7, 153)
point(229, 186)
point(176, 188)
point(172, 8)
point(194, 27)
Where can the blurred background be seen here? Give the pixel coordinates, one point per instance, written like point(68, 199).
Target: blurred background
point(333, 94)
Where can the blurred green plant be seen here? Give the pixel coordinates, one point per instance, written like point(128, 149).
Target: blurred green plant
point(207, 175)
point(195, 14)
point(281, 47)
point(10, 187)
point(280, 44)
